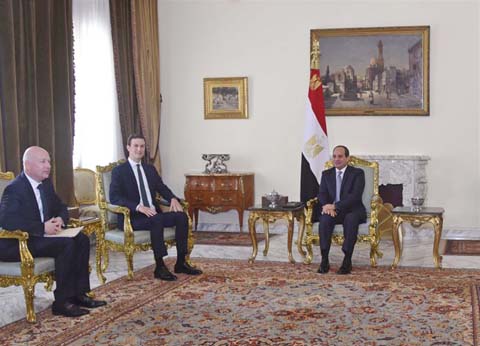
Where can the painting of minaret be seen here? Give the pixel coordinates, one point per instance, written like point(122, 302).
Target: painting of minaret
point(375, 71)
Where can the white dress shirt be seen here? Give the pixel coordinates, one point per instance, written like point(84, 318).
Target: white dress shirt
point(133, 164)
point(36, 191)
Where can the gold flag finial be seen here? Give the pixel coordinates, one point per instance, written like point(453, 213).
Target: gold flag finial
point(315, 55)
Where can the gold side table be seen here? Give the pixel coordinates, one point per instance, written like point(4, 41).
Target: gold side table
point(417, 218)
point(270, 215)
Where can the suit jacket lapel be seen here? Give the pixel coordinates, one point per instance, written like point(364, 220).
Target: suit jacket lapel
point(345, 179)
point(133, 180)
point(332, 182)
point(153, 192)
point(145, 169)
point(31, 194)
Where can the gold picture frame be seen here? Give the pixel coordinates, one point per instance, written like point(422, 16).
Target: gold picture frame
point(374, 71)
point(226, 98)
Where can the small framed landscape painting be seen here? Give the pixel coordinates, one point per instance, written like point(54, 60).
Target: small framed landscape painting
point(226, 98)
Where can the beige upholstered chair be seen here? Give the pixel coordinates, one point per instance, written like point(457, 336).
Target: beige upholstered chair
point(84, 181)
point(29, 271)
point(127, 241)
point(85, 185)
point(379, 217)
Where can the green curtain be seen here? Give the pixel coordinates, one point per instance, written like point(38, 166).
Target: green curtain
point(36, 85)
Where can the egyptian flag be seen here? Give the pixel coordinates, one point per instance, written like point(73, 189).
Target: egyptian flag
point(315, 151)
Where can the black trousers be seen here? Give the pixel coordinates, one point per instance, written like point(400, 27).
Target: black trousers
point(155, 224)
point(350, 222)
point(71, 261)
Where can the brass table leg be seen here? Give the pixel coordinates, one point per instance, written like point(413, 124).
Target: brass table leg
point(290, 238)
point(266, 231)
point(396, 240)
point(437, 225)
point(251, 229)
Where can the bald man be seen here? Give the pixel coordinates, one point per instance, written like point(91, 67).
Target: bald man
point(29, 203)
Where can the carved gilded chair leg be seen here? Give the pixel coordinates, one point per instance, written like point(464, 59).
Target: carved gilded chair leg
point(99, 266)
point(49, 282)
point(373, 253)
point(129, 257)
point(309, 247)
point(308, 243)
point(190, 244)
point(106, 259)
point(29, 292)
point(189, 251)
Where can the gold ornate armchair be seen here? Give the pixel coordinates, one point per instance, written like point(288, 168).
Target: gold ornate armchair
point(127, 241)
point(379, 217)
point(29, 271)
point(85, 183)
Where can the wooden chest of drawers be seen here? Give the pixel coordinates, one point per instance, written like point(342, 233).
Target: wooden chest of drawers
point(216, 193)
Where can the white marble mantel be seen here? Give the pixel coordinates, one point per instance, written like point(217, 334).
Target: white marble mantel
point(408, 170)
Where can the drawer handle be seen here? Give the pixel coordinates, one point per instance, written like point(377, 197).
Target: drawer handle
point(225, 185)
point(198, 199)
point(200, 184)
point(227, 199)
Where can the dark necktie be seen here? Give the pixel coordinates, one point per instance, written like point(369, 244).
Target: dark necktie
point(142, 187)
point(338, 186)
point(40, 188)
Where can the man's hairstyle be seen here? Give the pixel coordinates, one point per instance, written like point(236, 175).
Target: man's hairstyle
point(134, 136)
point(347, 152)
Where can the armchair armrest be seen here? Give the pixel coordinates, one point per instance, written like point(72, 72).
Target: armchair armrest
point(20, 235)
point(119, 210)
point(127, 228)
point(163, 202)
point(74, 222)
point(311, 203)
point(26, 257)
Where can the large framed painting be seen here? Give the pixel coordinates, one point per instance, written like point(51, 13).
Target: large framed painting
point(374, 71)
point(226, 98)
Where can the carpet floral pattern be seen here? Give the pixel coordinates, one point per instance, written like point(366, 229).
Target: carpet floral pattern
point(226, 238)
point(271, 303)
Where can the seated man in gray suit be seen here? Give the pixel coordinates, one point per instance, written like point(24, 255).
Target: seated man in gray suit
point(340, 200)
point(134, 185)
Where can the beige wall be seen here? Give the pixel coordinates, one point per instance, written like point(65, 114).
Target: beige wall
point(268, 41)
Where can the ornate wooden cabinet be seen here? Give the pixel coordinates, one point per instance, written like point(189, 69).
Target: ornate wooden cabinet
point(216, 193)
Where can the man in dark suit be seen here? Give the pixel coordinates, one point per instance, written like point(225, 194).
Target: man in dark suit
point(135, 185)
point(29, 203)
point(340, 200)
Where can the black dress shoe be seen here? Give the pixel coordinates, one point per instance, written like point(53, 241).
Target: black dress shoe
point(346, 267)
point(186, 269)
point(162, 273)
point(324, 267)
point(68, 309)
point(88, 302)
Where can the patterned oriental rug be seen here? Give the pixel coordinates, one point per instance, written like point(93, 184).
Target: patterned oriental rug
point(227, 238)
point(269, 303)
